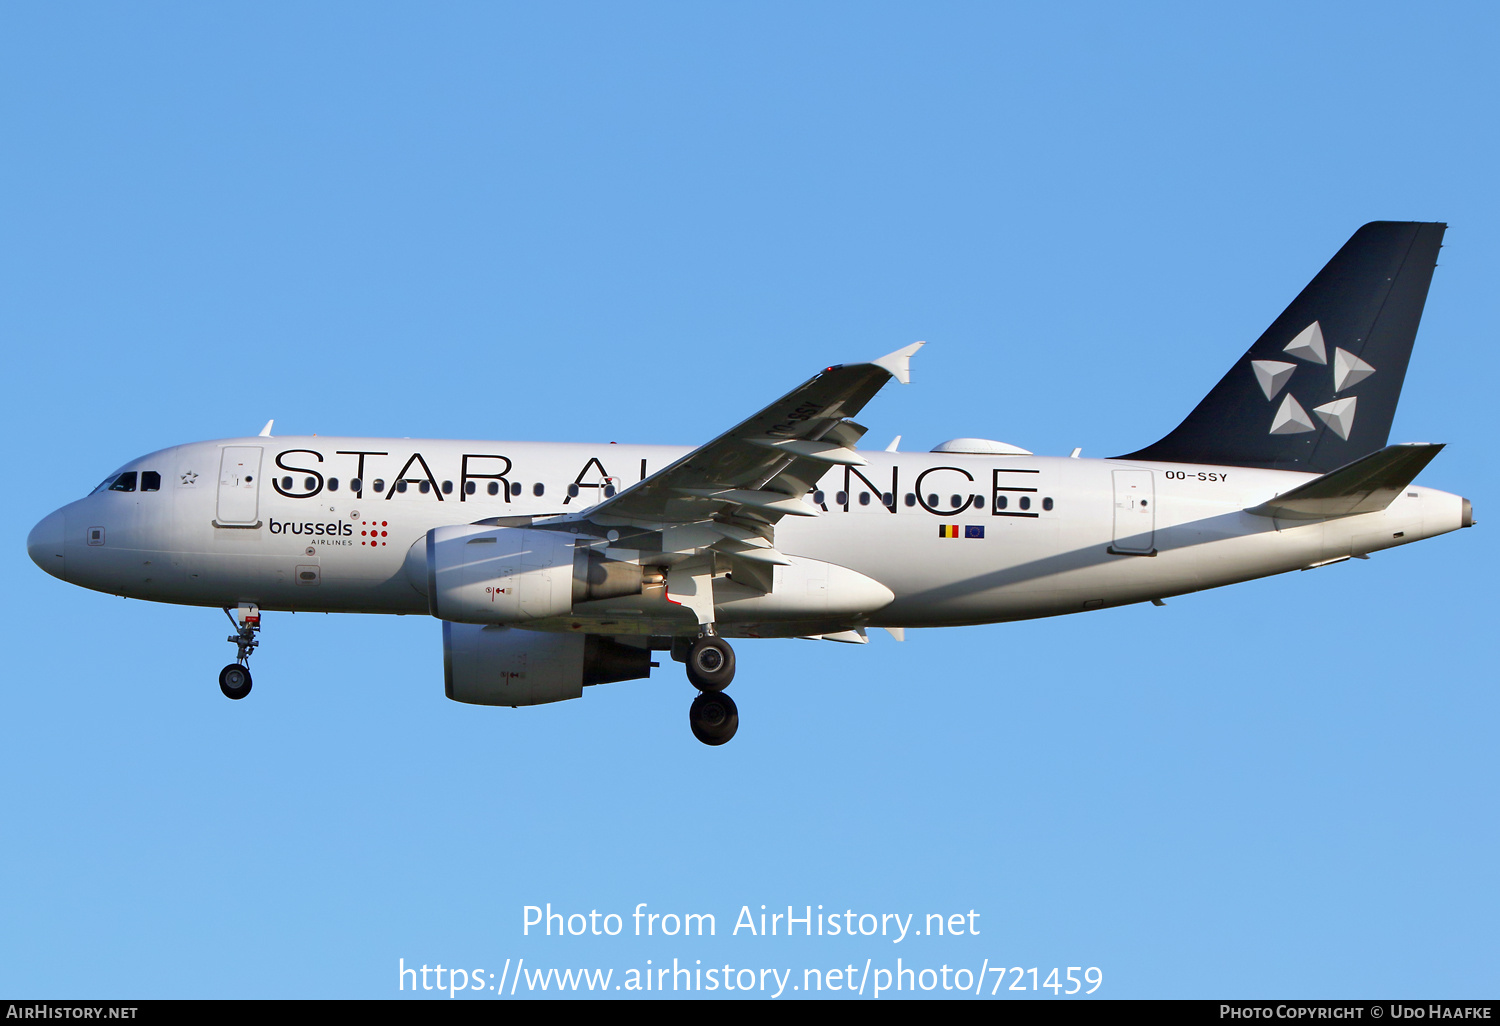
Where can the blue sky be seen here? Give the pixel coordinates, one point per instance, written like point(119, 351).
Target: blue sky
point(621, 222)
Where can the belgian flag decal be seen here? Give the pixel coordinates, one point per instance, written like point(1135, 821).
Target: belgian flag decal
point(969, 531)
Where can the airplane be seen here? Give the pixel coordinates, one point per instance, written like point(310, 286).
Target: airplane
point(554, 567)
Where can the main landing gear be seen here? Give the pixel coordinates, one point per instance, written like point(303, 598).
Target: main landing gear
point(710, 668)
point(234, 679)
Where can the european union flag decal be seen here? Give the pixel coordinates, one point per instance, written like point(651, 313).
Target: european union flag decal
point(973, 531)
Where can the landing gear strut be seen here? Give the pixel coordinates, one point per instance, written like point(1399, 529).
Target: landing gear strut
point(710, 669)
point(234, 679)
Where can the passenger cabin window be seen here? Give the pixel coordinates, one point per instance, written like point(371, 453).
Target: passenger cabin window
point(333, 484)
point(494, 488)
point(150, 481)
point(864, 498)
point(379, 485)
point(124, 483)
point(447, 487)
point(537, 489)
point(1047, 504)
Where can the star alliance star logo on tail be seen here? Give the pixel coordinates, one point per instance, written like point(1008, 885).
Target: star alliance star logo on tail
point(1348, 371)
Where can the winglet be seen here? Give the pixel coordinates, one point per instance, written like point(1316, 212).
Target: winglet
point(265, 432)
point(899, 362)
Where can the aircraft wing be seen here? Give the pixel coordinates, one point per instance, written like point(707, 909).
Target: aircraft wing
point(761, 469)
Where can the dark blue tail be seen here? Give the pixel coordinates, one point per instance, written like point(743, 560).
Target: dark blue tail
point(1319, 389)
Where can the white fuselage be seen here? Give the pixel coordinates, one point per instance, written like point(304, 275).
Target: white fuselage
point(967, 539)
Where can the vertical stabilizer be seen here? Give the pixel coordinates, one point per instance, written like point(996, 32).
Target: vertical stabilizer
point(1319, 389)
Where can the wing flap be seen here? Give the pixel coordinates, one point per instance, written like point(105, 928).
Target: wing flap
point(769, 501)
point(822, 450)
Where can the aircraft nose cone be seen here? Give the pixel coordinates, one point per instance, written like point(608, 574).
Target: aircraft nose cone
point(45, 544)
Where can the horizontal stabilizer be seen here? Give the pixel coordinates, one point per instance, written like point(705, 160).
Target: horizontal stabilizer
point(1368, 485)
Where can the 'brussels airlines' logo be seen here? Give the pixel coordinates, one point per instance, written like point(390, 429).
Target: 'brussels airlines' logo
point(330, 528)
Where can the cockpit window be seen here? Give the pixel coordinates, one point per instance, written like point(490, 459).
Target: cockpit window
point(150, 481)
point(126, 482)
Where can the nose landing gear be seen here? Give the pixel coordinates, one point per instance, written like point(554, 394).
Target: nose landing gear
point(710, 668)
point(234, 679)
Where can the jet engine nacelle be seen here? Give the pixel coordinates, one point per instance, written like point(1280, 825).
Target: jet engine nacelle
point(494, 665)
point(483, 574)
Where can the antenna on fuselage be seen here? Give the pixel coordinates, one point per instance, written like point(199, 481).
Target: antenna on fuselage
point(265, 432)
